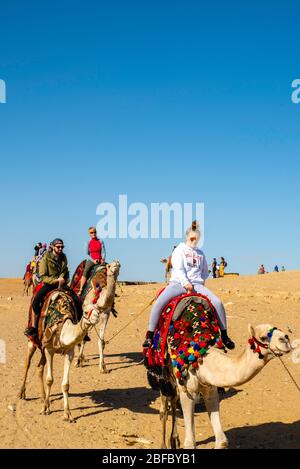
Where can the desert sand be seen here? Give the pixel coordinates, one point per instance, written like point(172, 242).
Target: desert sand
point(118, 409)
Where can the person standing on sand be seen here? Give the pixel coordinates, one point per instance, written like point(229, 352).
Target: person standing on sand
point(261, 270)
point(189, 273)
point(223, 265)
point(214, 267)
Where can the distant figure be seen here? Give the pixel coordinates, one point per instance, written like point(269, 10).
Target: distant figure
point(214, 267)
point(261, 270)
point(283, 269)
point(42, 250)
point(276, 268)
point(168, 270)
point(223, 265)
point(36, 249)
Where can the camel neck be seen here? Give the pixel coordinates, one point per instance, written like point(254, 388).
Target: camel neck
point(222, 370)
point(73, 333)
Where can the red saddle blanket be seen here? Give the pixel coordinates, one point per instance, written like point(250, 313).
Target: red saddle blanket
point(96, 281)
point(187, 328)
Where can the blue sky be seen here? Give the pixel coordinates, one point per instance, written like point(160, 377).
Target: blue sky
point(162, 101)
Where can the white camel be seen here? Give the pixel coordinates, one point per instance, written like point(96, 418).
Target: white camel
point(219, 370)
point(63, 341)
point(104, 305)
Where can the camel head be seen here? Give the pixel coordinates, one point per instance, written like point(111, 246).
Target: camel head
point(113, 269)
point(269, 341)
point(92, 316)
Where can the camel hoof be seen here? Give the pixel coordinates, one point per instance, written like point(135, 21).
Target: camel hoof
point(45, 412)
point(68, 418)
point(22, 396)
point(221, 445)
point(104, 371)
point(175, 443)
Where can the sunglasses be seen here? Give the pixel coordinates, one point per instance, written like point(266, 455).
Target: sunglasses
point(59, 247)
point(93, 232)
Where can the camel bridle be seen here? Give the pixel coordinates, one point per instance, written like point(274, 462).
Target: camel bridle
point(256, 345)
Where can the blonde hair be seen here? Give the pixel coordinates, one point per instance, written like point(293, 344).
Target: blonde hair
point(92, 228)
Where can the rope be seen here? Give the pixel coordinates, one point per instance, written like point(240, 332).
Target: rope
point(289, 373)
point(128, 324)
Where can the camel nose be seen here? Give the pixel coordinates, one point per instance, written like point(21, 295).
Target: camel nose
point(287, 337)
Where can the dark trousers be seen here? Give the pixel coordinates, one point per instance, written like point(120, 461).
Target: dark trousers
point(38, 301)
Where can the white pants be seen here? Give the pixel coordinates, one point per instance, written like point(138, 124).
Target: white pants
point(176, 289)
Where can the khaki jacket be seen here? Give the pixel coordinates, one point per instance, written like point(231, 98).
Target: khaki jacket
point(50, 268)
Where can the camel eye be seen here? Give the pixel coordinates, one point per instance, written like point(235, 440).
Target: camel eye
point(263, 339)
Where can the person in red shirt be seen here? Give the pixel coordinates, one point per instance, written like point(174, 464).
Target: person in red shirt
point(96, 254)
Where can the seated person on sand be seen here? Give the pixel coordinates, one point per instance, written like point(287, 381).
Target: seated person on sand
point(96, 253)
point(189, 273)
point(54, 273)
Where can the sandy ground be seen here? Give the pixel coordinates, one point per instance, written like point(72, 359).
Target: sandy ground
point(119, 410)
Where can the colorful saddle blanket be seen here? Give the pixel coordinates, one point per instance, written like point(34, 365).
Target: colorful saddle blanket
point(97, 280)
point(58, 306)
point(187, 329)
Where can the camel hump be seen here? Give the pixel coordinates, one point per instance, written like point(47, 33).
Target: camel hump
point(187, 329)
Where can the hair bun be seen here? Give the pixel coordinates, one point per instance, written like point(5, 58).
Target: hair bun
point(195, 225)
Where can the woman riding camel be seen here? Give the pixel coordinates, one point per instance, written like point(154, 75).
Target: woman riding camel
point(189, 273)
point(96, 253)
point(54, 274)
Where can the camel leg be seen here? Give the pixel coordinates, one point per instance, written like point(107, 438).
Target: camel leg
point(66, 384)
point(188, 409)
point(81, 359)
point(41, 367)
point(163, 413)
point(101, 343)
point(212, 404)
point(174, 440)
point(49, 381)
point(30, 352)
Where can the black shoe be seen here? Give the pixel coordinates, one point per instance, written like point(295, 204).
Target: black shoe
point(86, 338)
point(227, 341)
point(149, 340)
point(147, 343)
point(229, 344)
point(31, 332)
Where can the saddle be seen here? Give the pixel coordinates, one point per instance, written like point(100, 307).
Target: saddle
point(57, 308)
point(97, 280)
point(187, 329)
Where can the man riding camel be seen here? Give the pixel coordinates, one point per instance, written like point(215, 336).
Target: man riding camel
point(189, 273)
point(96, 253)
point(54, 273)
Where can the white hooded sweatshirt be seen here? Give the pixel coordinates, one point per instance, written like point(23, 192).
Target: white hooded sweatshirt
point(189, 265)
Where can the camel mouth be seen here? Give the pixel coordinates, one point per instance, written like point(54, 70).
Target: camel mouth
point(279, 353)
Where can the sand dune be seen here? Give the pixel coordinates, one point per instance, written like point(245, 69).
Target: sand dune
point(118, 410)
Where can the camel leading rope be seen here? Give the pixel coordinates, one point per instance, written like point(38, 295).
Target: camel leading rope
point(289, 373)
point(128, 324)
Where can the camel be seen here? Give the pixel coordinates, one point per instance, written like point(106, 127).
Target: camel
point(168, 268)
point(104, 304)
point(28, 282)
point(63, 341)
point(219, 370)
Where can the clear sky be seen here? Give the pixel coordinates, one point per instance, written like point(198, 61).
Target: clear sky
point(163, 101)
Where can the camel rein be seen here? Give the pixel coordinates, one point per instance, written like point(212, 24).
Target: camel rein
point(128, 324)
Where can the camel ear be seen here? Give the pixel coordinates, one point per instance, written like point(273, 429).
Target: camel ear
point(251, 330)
